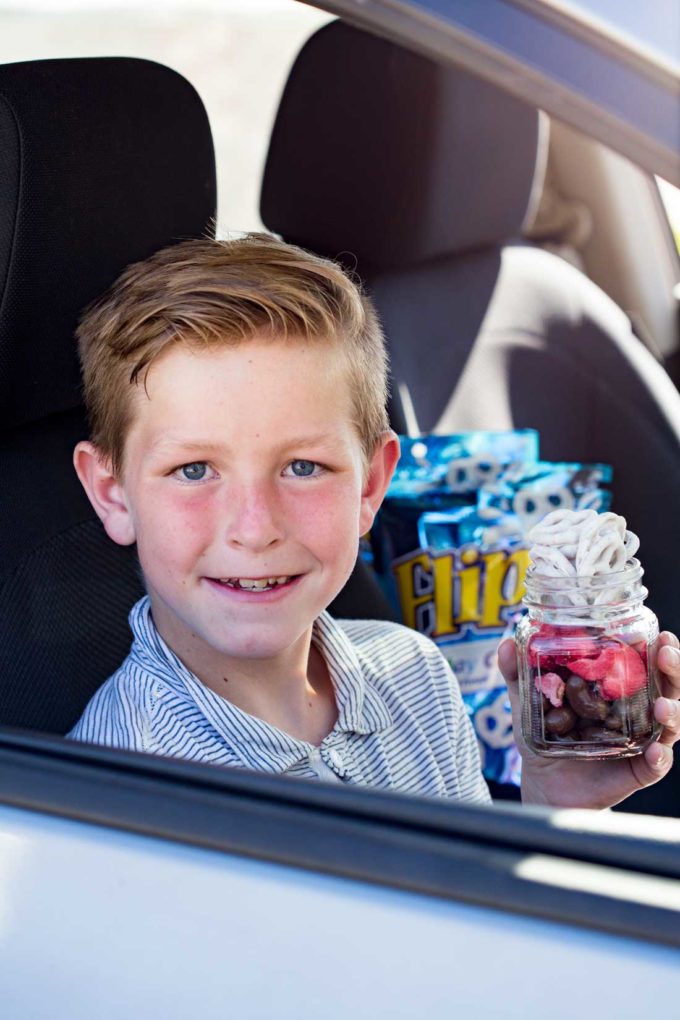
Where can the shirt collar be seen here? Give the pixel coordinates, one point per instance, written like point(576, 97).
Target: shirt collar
point(360, 708)
point(257, 744)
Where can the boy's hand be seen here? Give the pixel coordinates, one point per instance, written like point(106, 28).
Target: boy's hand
point(565, 782)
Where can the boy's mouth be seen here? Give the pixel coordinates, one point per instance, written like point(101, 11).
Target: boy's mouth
point(255, 583)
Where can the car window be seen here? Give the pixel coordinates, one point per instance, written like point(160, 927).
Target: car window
point(237, 55)
point(654, 28)
point(481, 857)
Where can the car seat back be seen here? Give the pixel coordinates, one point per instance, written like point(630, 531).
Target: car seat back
point(102, 161)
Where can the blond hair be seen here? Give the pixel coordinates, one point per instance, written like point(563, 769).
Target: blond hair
point(209, 293)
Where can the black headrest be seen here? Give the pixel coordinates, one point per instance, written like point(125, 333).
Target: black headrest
point(102, 161)
point(443, 161)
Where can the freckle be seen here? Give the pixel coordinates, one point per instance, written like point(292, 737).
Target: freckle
point(226, 679)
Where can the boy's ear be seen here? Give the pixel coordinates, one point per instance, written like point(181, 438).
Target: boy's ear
point(380, 470)
point(105, 492)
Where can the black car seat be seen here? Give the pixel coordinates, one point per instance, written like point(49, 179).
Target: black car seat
point(102, 162)
point(421, 177)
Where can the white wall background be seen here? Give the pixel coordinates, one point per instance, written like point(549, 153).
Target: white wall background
point(236, 53)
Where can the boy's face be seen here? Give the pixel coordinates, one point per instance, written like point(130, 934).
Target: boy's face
point(242, 465)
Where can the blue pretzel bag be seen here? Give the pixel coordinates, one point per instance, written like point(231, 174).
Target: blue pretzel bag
point(452, 558)
point(524, 494)
point(453, 468)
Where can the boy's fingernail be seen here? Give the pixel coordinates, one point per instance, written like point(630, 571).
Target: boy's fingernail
point(673, 654)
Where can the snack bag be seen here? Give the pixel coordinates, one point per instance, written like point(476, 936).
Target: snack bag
point(465, 595)
point(524, 495)
point(440, 472)
point(453, 562)
point(454, 467)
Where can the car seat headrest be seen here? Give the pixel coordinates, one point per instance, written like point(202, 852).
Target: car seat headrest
point(443, 161)
point(102, 162)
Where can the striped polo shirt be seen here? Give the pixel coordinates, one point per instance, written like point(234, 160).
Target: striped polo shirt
point(401, 722)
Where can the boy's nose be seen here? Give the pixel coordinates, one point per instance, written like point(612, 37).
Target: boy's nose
point(254, 519)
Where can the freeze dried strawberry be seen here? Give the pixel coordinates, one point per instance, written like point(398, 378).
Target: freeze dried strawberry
point(641, 648)
point(619, 669)
point(578, 643)
point(552, 686)
point(552, 630)
point(557, 646)
point(566, 656)
point(598, 668)
point(533, 653)
point(627, 676)
point(535, 648)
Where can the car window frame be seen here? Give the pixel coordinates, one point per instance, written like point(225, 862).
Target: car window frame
point(589, 81)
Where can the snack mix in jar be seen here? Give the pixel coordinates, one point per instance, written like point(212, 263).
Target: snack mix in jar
point(586, 646)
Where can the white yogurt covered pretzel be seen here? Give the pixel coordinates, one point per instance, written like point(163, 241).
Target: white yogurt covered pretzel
point(551, 561)
point(561, 527)
point(581, 543)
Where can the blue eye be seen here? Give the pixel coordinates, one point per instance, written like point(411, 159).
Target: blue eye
point(555, 500)
point(194, 472)
point(302, 468)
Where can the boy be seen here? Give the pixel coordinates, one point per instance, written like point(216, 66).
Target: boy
point(236, 394)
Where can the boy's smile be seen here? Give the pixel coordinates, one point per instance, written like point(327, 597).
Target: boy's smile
point(244, 488)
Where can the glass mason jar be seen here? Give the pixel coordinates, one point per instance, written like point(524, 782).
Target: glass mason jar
point(587, 665)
